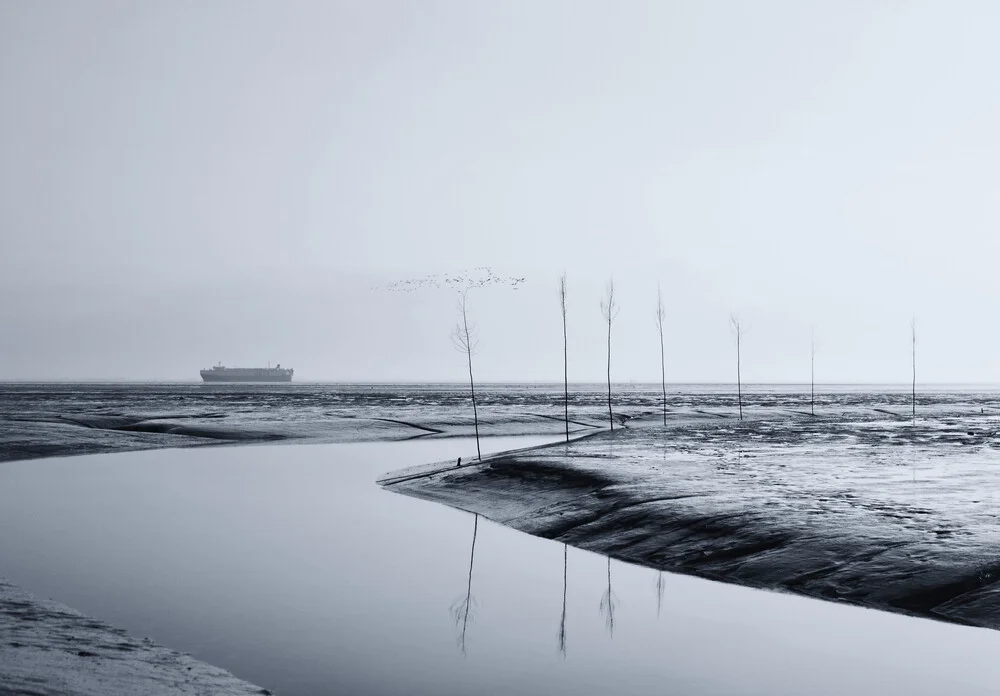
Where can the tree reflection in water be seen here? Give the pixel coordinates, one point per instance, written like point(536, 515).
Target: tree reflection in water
point(562, 621)
point(463, 608)
point(608, 603)
point(659, 592)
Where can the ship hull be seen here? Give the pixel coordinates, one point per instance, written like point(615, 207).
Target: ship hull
point(230, 375)
point(246, 380)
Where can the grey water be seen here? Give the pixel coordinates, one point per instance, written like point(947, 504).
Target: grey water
point(290, 567)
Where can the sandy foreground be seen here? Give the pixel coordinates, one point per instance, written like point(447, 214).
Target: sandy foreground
point(865, 507)
point(48, 649)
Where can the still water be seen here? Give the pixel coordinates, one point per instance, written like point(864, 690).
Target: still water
point(288, 566)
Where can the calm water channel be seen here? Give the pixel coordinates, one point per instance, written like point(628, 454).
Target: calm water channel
point(288, 566)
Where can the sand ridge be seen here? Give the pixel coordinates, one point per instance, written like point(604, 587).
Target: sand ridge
point(857, 506)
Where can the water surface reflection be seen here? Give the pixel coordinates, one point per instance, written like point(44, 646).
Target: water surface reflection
point(462, 608)
point(290, 567)
point(562, 618)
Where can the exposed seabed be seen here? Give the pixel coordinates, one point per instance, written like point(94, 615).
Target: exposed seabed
point(48, 648)
point(865, 506)
point(861, 503)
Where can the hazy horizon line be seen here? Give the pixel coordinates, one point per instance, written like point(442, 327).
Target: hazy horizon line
point(906, 384)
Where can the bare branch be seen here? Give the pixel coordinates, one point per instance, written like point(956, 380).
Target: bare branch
point(661, 313)
point(458, 339)
point(465, 335)
point(738, 326)
point(609, 308)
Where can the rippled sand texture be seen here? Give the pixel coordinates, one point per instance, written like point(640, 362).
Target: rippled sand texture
point(859, 504)
point(48, 420)
point(41, 420)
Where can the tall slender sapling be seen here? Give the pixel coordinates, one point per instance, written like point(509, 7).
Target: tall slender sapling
point(609, 310)
point(562, 304)
point(464, 338)
point(812, 371)
point(660, 316)
point(738, 330)
point(913, 339)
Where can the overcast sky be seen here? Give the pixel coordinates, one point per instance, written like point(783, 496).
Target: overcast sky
point(184, 183)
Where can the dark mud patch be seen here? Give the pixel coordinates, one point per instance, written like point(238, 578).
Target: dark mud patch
point(511, 468)
point(425, 428)
point(226, 434)
point(828, 509)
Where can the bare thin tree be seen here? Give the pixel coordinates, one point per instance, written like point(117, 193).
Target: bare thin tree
point(913, 345)
point(812, 371)
point(660, 316)
point(562, 304)
point(739, 329)
point(609, 310)
point(464, 338)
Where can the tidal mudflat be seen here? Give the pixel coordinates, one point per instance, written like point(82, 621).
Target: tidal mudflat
point(290, 568)
point(51, 420)
point(48, 648)
point(868, 506)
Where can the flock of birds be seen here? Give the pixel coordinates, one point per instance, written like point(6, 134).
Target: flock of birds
point(478, 277)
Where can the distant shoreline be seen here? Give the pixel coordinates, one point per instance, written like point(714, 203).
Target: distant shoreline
point(654, 385)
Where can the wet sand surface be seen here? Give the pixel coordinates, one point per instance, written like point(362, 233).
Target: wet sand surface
point(865, 507)
point(290, 567)
point(48, 649)
point(49, 420)
point(45, 420)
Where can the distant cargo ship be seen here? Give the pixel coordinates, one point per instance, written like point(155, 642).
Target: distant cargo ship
point(247, 374)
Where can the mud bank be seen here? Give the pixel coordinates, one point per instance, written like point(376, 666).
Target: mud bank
point(48, 420)
point(49, 649)
point(860, 507)
point(38, 421)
